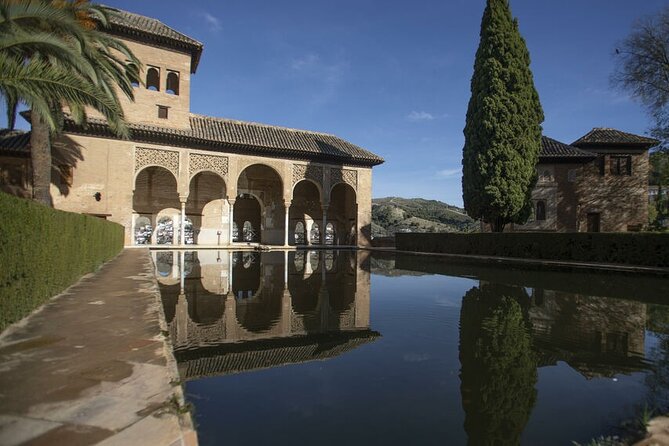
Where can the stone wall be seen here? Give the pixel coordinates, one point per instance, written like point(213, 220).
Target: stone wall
point(621, 200)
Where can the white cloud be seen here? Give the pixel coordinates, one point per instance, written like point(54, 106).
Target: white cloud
point(305, 63)
point(212, 22)
point(321, 76)
point(449, 173)
point(416, 116)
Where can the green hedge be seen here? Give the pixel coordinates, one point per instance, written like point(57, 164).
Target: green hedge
point(644, 249)
point(43, 251)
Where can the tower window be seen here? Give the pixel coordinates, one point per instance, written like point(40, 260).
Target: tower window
point(621, 165)
point(541, 210)
point(172, 86)
point(162, 111)
point(153, 79)
point(132, 71)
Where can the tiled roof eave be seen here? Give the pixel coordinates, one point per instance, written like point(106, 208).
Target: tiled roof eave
point(147, 37)
point(178, 138)
point(630, 145)
point(548, 159)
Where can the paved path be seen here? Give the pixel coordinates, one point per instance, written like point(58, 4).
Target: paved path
point(92, 366)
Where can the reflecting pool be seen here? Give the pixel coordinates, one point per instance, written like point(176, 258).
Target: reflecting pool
point(345, 347)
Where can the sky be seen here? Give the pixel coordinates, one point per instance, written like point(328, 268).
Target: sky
point(394, 76)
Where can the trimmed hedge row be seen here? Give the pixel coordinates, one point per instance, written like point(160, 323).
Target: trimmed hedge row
point(43, 251)
point(644, 249)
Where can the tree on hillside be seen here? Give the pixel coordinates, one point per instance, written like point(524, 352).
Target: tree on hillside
point(503, 128)
point(642, 68)
point(52, 56)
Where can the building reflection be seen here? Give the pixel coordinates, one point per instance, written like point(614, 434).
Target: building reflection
point(596, 336)
point(507, 332)
point(229, 312)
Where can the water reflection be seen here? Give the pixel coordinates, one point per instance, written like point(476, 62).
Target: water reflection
point(499, 367)
point(470, 354)
point(235, 311)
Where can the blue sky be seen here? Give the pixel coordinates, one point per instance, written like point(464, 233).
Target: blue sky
point(393, 76)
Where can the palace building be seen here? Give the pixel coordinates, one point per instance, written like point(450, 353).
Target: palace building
point(599, 183)
point(184, 178)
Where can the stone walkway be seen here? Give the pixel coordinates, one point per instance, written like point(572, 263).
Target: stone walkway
point(93, 366)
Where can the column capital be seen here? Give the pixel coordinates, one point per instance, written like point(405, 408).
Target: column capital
point(325, 207)
point(231, 200)
point(183, 199)
point(287, 203)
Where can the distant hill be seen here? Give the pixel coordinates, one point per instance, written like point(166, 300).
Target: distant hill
point(393, 214)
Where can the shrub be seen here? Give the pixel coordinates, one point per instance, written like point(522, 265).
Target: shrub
point(644, 249)
point(43, 251)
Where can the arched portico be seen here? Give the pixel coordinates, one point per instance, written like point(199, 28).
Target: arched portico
point(259, 205)
point(155, 205)
point(306, 210)
point(343, 213)
point(206, 207)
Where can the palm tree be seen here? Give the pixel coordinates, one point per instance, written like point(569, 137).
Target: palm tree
point(52, 57)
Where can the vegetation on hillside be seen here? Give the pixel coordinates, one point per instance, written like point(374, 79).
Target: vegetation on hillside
point(393, 214)
point(503, 126)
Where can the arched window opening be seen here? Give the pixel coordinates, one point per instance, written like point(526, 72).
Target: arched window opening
point(248, 259)
point(300, 234)
point(329, 234)
point(153, 79)
point(132, 71)
point(165, 231)
point(329, 260)
point(189, 238)
point(164, 262)
point(315, 234)
point(299, 261)
point(314, 259)
point(541, 210)
point(248, 232)
point(172, 86)
point(143, 231)
point(235, 232)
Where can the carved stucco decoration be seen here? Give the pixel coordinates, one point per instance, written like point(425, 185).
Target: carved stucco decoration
point(347, 176)
point(303, 171)
point(155, 157)
point(198, 163)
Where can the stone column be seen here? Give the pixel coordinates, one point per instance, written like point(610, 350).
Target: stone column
point(308, 224)
point(325, 223)
point(286, 313)
point(286, 230)
point(182, 238)
point(285, 270)
point(182, 270)
point(231, 206)
point(230, 316)
point(181, 320)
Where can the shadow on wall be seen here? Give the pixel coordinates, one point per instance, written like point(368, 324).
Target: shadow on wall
point(65, 155)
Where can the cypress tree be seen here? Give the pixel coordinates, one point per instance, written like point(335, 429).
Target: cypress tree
point(503, 128)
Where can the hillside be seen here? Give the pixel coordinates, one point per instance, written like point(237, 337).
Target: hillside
point(393, 214)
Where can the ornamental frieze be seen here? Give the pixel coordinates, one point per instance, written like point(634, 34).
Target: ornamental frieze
point(306, 172)
point(217, 164)
point(347, 176)
point(155, 157)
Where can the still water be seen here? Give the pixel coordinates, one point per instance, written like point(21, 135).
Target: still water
point(344, 347)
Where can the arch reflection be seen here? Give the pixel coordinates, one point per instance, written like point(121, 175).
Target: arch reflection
point(232, 311)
